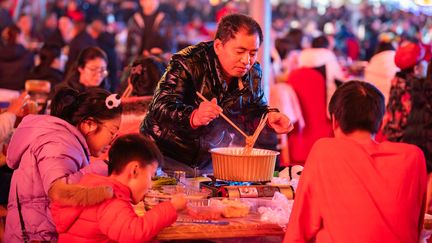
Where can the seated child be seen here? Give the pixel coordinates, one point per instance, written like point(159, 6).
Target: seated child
point(133, 159)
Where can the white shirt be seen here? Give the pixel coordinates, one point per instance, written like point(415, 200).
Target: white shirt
point(381, 70)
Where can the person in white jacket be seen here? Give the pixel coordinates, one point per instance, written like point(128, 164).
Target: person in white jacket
point(381, 68)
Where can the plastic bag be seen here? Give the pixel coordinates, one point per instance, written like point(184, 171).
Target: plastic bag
point(279, 211)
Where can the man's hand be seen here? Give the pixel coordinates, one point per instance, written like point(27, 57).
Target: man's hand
point(279, 122)
point(206, 112)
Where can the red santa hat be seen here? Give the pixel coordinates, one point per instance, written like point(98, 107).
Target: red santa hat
point(409, 55)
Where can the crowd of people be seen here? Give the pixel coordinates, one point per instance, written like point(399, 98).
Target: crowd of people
point(117, 27)
point(71, 170)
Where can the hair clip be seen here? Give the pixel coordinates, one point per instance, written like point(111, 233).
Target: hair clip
point(112, 101)
point(137, 69)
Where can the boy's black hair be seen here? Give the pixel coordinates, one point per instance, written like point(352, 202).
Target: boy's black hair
point(357, 105)
point(132, 147)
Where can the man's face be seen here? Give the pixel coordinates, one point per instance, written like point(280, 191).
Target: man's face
point(237, 55)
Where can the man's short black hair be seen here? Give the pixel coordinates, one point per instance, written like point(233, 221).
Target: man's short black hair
point(231, 24)
point(132, 147)
point(357, 105)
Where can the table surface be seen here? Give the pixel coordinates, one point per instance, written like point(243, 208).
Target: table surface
point(249, 226)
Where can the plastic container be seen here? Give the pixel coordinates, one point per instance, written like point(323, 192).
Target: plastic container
point(234, 164)
point(233, 208)
point(191, 192)
point(154, 197)
point(204, 209)
point(256, 203)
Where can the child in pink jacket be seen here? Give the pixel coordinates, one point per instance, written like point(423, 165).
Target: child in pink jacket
point(133, 159)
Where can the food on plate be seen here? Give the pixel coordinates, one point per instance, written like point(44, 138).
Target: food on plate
point(234, 208)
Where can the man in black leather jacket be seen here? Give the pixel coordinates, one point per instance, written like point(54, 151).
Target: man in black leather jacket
point(224, 71)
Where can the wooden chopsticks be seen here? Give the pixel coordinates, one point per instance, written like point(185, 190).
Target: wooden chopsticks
point(257, 132)
point(225, 117)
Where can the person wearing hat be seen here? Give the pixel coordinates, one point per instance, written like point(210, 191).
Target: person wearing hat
point(410, 59)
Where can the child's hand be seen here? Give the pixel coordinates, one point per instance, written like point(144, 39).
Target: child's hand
point(179, 201)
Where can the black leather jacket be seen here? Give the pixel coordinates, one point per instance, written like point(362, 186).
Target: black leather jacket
point(197, 68)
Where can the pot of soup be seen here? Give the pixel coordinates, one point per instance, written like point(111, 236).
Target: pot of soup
point(243, 164)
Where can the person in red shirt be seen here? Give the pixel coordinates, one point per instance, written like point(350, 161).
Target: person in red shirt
point(133, 160)
point(353, 189)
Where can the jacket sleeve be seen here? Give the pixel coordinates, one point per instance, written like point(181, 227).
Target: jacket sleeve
point(305, 219)
point(168, 103)
point(120, 223)
point(56, 160)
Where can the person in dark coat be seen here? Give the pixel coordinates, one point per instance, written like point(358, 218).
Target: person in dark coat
point(106, 41)
point(149, 31)
point(48, 27)
point(5, 18)
point(48, 69)
point(62, 35)
point(224, 71)
point(80, 42)
point(410, 58)
point(15, 60)
point(418, 128)
point(89, 70)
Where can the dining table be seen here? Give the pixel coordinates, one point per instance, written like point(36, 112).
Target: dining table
point(250, 226)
